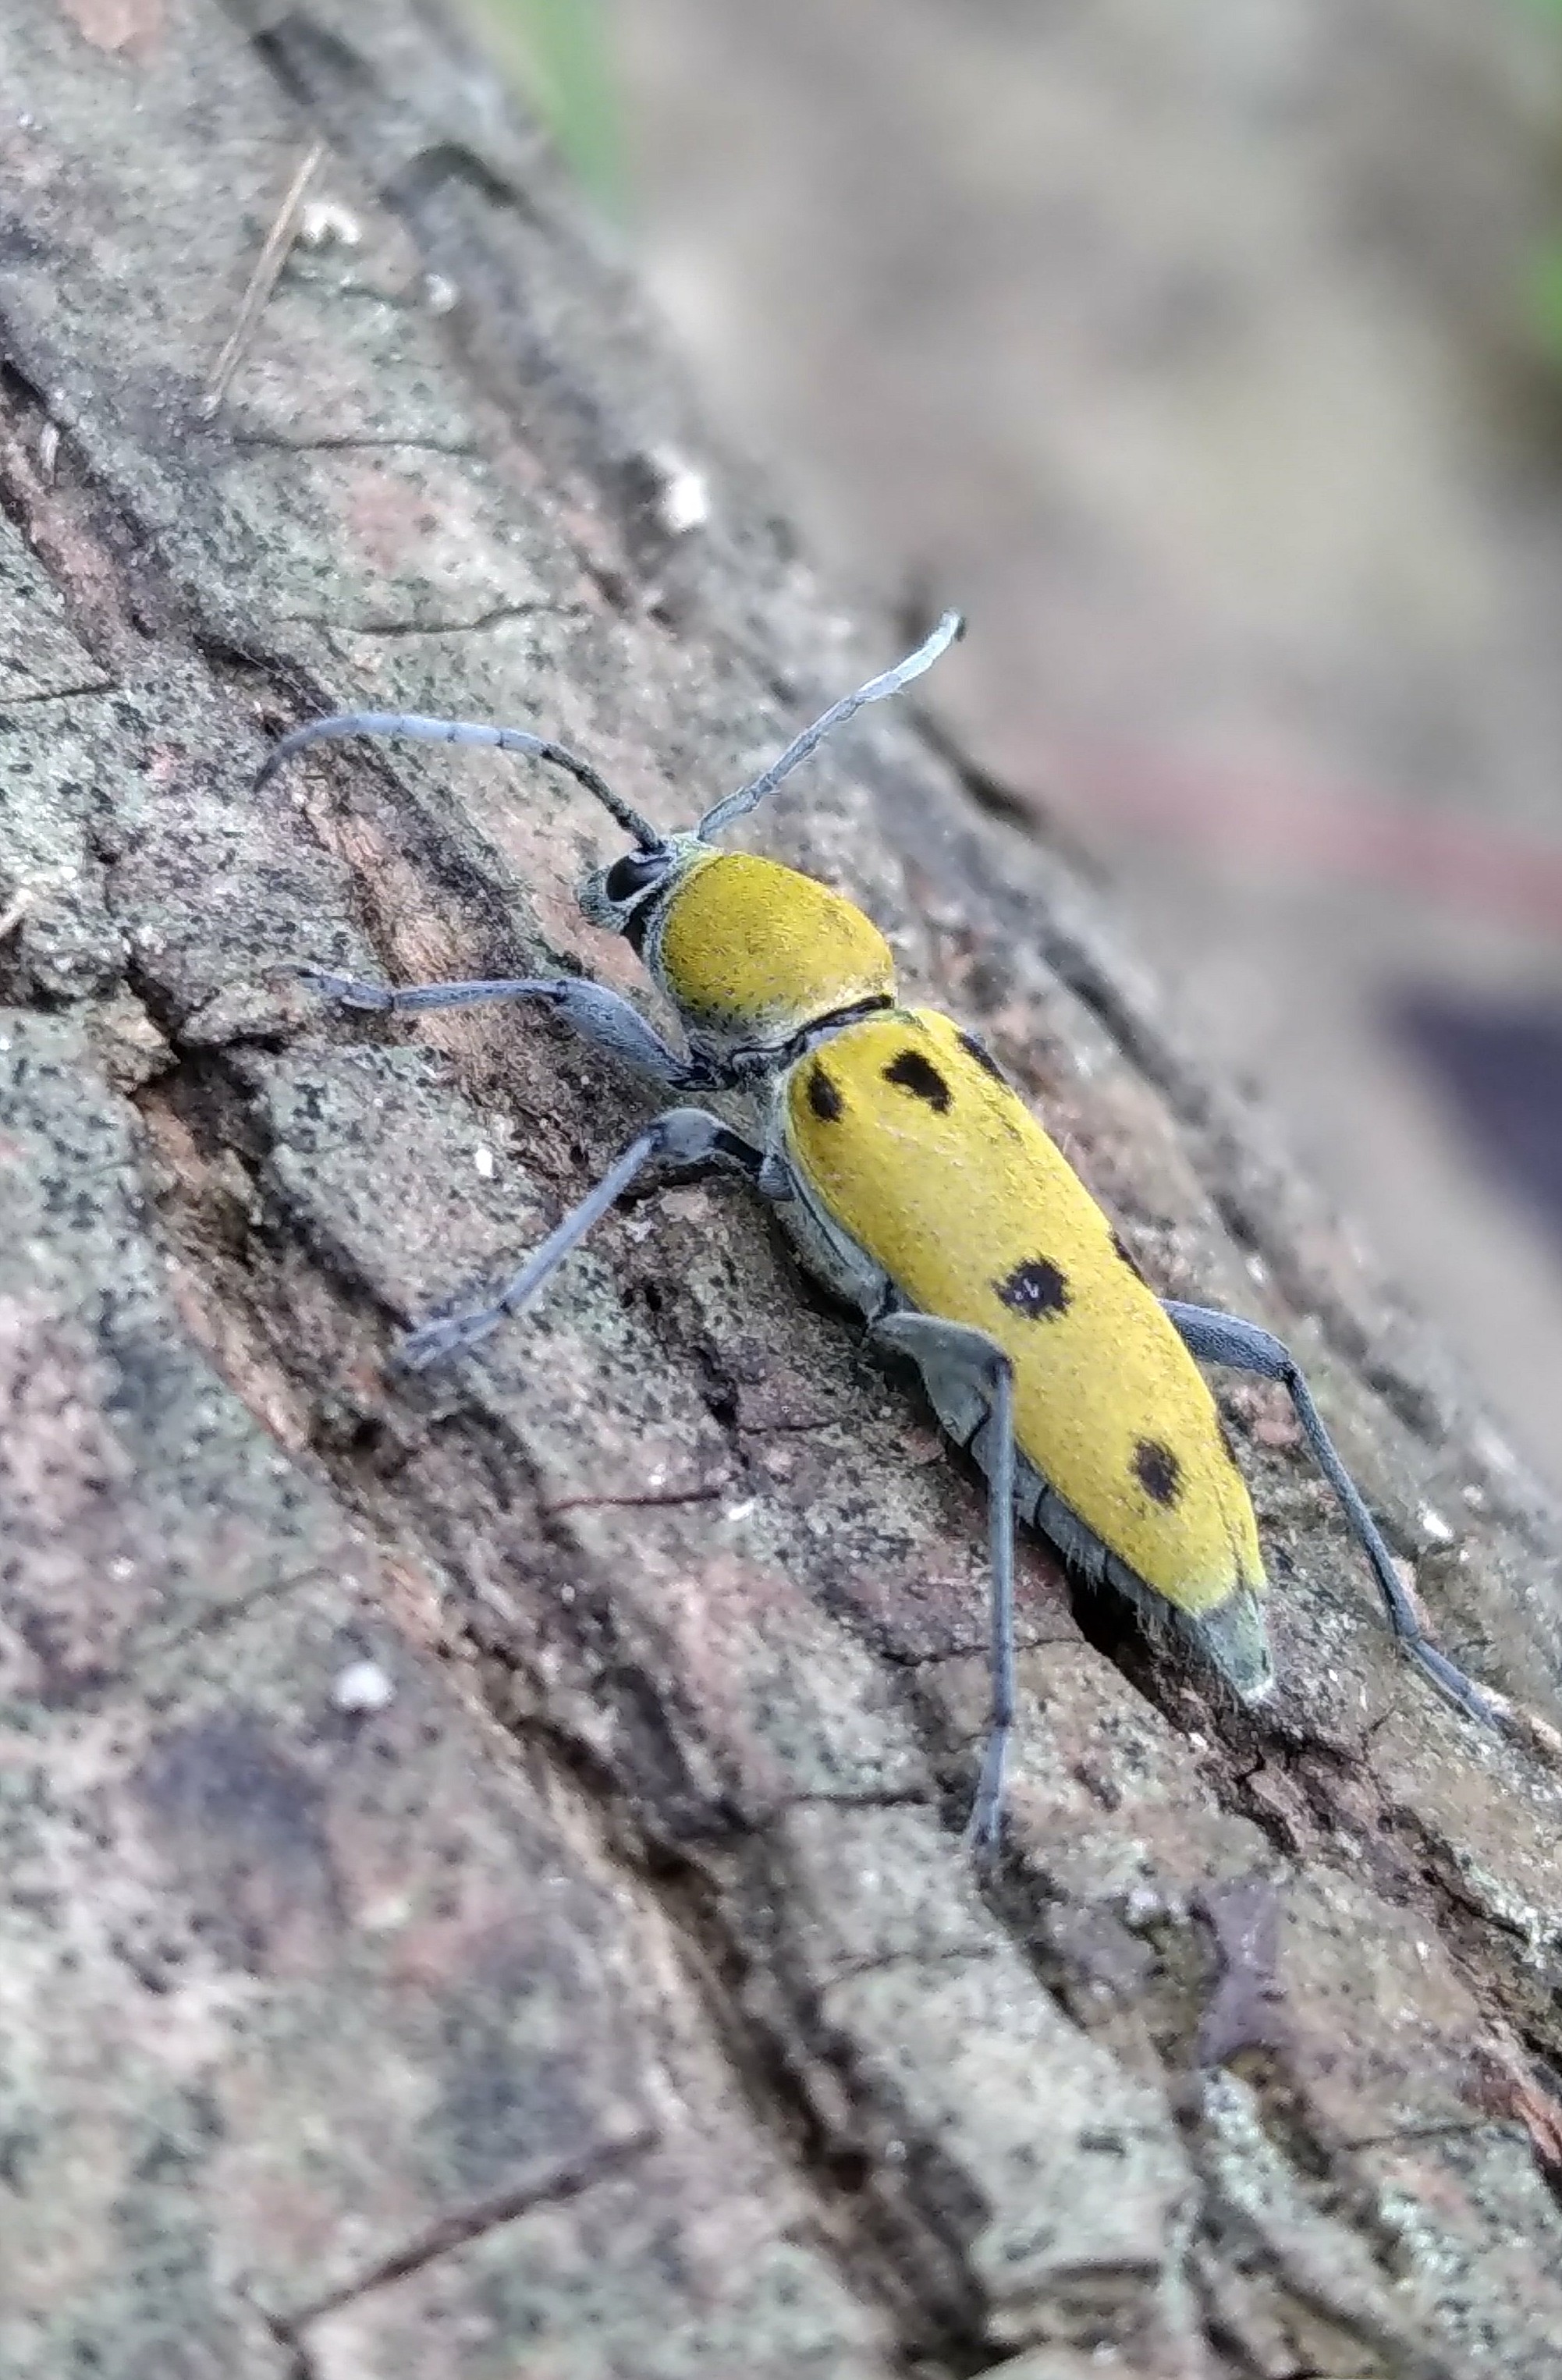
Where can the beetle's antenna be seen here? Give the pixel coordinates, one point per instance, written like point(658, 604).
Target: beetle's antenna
point(463, 731)
point(739, 805)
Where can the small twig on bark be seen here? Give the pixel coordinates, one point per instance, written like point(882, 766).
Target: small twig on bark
point(263, 281)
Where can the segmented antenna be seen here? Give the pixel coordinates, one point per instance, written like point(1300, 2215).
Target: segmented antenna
point(463, 731)
point(739, 805)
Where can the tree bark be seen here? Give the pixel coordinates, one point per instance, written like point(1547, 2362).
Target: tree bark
point(481, 1888)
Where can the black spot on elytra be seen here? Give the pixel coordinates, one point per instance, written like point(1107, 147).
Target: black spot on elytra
point(984, 1057)
point(823, 1096)
point(1121, 1248)
point(1157, 1470)
point(912, 1072)
point(1035, 1288)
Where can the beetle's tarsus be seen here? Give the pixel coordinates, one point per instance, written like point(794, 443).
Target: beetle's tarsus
point(984, 1829)
point(1452, 1683)
point(435, 1342)
point(347, 991)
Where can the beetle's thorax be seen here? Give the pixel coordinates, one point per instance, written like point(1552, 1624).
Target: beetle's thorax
point(753, 956)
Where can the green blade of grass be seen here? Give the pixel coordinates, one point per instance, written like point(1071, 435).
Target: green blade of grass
point(558, 52)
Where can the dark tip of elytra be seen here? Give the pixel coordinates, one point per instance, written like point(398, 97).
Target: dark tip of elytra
point(823, 1096)
point(1157, 1470)
point(1036, 1289)
point(984, 1057)
point(912, 1072)
point(1121, 1248)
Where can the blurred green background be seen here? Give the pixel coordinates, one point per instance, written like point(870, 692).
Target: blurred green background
point(1212, 358)
point(559, 54)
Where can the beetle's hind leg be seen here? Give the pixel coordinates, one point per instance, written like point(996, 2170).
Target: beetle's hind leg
point(951, 1353)
point(687, 1138)
point(599, 1016)
point(1226, 1338)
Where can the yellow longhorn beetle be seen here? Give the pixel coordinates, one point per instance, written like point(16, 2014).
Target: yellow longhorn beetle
point(918, 1187)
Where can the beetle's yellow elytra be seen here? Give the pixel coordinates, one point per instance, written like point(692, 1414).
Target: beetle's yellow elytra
point(940, 1173)
point(748, 946)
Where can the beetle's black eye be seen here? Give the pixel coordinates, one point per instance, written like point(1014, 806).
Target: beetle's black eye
point(634, 873)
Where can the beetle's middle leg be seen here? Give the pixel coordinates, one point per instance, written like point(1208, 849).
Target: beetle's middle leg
point(687, 1138)
point(951, 1352)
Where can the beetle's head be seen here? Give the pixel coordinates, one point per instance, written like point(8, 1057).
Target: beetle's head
point(625, 896)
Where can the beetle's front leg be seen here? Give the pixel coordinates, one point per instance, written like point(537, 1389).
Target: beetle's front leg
point(605, 1018)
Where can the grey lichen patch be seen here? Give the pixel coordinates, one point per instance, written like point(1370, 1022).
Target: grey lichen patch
point(1072, 2363)
point(774, 1700)
point(129, 1047)
point(69, 791)
point(66, 1473)
point(1465, 2221)
point(140, 1498)
point(875, 1887)
point(361, 1141)
point(215, 892)
point(1498, 1857)
point(1077, 2186)
point(248, 1886)
point(1322, 2260)
point(616, 2285)
point(1382, 2025)
point(390, 537)
point(41, 658)
point(341, 361)
point(151, 2309)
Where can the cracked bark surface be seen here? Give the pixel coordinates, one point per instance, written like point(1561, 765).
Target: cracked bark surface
point(615, 1997)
